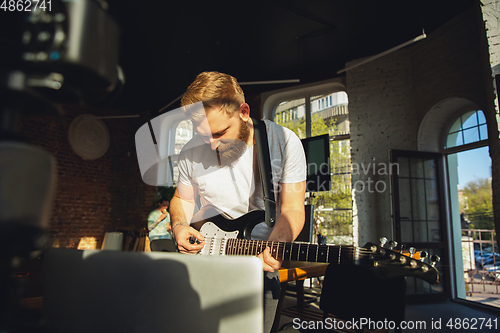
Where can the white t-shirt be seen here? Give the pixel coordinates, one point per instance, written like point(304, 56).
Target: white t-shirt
point(232, 189)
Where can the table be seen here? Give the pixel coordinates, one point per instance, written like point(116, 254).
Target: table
point(296, 271)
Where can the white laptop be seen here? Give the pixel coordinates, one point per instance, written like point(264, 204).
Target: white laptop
point(114, 291)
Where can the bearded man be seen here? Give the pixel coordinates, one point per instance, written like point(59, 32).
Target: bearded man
point(219, 167)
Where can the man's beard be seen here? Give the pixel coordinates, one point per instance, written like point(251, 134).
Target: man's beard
point(231, 150)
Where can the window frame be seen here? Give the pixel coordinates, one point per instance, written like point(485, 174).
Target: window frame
point(463, 147)
point(270, 102)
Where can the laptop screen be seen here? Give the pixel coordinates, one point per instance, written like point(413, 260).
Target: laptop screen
point(114, 291)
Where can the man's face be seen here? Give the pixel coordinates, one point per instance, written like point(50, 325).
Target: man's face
point(163, 204)
point(228, 136)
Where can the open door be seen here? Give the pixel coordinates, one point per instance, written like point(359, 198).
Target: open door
point(419, 215)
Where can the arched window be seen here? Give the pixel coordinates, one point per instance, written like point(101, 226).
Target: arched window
point(468, 128)
point(469, 177)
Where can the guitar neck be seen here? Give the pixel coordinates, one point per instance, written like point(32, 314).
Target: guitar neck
point(383, 262)
point(333, 254)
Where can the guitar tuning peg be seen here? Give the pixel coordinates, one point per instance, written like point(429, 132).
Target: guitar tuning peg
point(412, 251)
point(423, 255)
point(392, 244)
point(402, 248)
point(383, 241)
point(434, 260)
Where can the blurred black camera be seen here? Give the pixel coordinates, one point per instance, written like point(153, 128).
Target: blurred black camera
point(68, 53)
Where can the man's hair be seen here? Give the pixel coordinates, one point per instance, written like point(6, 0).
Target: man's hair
point(215, 89)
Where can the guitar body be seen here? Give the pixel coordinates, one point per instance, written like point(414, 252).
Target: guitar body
point(243, 225)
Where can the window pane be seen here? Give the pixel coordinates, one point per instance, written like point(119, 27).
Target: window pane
point(406, 231)
point(482, 118)
point(403, 167)
point(456, 126)
point(337, 203)
point(432, 192)
point(454, 139)
point(435, 231)
point(292, 115)
point(417, 168)
point(483, 132)
point(471, 135)
point(451, 139)
point(329, 115)
point(469, 119)
point(183, 133)
point(420, 231)
point(430, 169)
point(405, 201)
point(472, 129)
point(418, 199)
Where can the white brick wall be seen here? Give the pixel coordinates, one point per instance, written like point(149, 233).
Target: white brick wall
point(491, 16)
point(389, 97)
point(382, 113)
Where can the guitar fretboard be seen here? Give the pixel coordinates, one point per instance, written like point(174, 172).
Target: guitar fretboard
point(333, 254)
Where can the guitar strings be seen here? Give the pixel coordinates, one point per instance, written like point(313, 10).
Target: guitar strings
point(236, 246)
point(359, 252)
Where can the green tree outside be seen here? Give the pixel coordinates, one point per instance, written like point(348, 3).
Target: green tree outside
point(336, 204)
point(477, 205)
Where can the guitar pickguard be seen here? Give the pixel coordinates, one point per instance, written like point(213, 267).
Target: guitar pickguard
point(215, 239)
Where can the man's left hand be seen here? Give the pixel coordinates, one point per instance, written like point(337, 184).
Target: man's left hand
point(269, 264)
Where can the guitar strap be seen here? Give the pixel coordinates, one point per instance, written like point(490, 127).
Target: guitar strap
point(266, 175)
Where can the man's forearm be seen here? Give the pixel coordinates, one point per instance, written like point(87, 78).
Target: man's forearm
point(288, 226)
point(181, 211)
point(292, 215)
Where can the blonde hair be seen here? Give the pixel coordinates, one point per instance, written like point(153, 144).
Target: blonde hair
point(215, 89)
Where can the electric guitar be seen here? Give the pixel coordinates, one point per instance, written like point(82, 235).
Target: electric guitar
point(231, 237)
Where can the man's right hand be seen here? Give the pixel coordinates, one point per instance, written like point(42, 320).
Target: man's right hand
point(182, 233)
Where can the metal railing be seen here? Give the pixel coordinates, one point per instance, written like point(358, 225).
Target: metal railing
point(481, 261)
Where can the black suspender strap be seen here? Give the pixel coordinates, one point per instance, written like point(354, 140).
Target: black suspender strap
point(266, 175)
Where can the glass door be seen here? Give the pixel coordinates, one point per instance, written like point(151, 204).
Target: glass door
point(419, 214)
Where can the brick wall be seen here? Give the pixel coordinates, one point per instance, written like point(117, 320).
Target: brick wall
point(92, 196)
point(389, 97)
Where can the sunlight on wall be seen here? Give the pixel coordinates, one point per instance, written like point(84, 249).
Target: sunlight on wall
point(87, 243)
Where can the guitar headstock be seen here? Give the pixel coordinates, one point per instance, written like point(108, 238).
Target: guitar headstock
point(390, 263)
